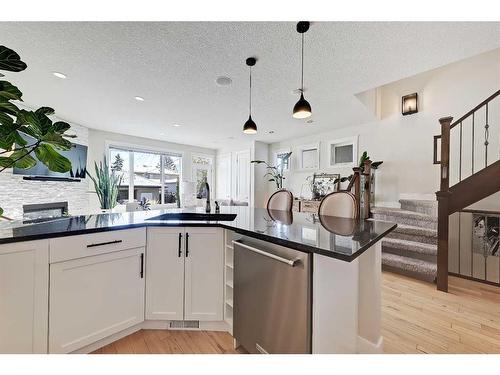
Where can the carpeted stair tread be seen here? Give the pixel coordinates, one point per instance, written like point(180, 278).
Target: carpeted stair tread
point(409, 246)
point(416, 231)
point(405, 264)
point(428, 207)
point(398, 212)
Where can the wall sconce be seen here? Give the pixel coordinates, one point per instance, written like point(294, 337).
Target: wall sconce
point(409, 104)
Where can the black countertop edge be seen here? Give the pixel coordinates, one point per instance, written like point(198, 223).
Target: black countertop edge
point(258, 235)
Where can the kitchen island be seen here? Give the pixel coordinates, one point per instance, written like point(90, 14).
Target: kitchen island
point(183, 276)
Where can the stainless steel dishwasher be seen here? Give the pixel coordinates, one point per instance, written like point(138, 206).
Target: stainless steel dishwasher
point(272, 298)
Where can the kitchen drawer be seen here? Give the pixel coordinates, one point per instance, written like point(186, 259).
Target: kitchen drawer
point(84, 245)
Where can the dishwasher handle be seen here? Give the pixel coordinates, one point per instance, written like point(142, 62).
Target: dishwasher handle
point(290, 262)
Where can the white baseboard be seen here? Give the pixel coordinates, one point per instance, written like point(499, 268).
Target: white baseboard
point(368, 347)
point(150, 324)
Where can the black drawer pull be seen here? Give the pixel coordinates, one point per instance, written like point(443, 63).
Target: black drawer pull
point(104, 243)
point(142, 265)
point(187, 245)
point(180, 248)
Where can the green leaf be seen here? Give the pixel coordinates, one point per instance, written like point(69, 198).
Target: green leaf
point(22, 159)
point(9, 108)
point(39, 123)
point(10, 60)
point(9, 92)
point(5, 161)
point(1, 211)
point(5, 119)
point(47, 111)
point(60, 127)
point(56, 140)
point(52, 159)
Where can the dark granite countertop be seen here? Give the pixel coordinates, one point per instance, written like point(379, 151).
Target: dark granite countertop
point(335, 237)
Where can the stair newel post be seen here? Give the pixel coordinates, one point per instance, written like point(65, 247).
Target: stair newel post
point(366, 189)
point(357, 188)
point(443, 197)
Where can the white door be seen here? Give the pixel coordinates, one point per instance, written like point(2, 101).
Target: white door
point(24, 297)
point(94, 297)
point(243, 175)
point(223, 172)
point(165, 274)
point(204, 293)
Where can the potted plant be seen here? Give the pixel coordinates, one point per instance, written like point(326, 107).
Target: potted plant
point(106, 183)
point(275, 173)
point(48, 137)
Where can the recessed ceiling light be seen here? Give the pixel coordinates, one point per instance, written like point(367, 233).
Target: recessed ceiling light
point(139, 98)
point(176, 125)
point(60, 75)
point(223, 81)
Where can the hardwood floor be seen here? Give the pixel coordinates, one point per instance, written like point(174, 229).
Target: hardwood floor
point(416, 318)
point(152, 341)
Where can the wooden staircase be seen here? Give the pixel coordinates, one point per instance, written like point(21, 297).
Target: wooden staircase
point(480, 184)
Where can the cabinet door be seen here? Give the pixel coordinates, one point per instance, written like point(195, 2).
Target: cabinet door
point(204, 292)
point(24, 297)
point(94, 297)
point(165, 274)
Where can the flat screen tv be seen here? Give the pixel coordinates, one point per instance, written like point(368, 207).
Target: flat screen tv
point(77, 155)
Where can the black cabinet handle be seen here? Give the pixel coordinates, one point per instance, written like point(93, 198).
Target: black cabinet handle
point(180, 245)
point(142, 265)
point(104, 243)
point(187, 245)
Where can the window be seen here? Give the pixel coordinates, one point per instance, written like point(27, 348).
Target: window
point(202, 166)
point(308, 156)
point(343, 152)
point(147, 175)
point(282, 159)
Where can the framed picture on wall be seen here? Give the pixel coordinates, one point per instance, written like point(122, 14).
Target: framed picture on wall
point(308, 156)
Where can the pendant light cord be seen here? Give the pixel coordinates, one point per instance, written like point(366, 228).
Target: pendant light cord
point(250, 96)
point(302, 77)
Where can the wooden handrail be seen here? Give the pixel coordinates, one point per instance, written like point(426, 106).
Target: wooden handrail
point(475, 109)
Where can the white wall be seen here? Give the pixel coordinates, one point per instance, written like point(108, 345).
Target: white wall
point(404, 143)
point(100, 140)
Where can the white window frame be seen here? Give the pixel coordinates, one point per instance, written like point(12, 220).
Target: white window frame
point(131, 148)
point(343, 142)
point(282, 151)
point(308, 147)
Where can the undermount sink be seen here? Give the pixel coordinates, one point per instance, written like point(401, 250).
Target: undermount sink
point(194, 216)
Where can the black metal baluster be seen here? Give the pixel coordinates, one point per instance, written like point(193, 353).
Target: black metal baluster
point(486, 137)
point(460, 155)
point(473, 145)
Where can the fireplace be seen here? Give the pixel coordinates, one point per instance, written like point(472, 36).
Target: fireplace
point(33, 213)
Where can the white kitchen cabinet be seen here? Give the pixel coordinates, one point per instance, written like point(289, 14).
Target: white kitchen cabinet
point(165, 274)
point(204, 274)
point(24, 291)
point(189, 286)
point(94, 297)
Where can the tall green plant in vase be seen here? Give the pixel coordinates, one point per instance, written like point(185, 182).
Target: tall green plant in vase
point(106, 184)
point(275, 173)
point(46, 138)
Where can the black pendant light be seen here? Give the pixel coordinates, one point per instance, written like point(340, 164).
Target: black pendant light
point(302, 108)
point(250, 126)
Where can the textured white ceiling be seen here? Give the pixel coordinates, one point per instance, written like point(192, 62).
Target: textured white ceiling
point(173, 65)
